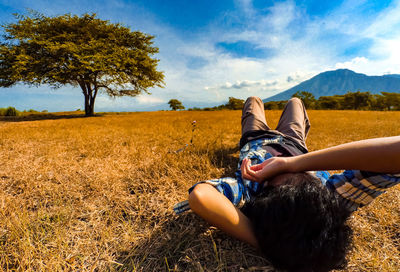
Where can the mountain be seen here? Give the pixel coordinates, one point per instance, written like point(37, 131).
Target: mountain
point(342, 81)
point(393, 75)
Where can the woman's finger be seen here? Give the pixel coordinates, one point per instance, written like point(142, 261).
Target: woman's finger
point(256, 167)
point(247, 172)
point(244, 169)
point(254, 175)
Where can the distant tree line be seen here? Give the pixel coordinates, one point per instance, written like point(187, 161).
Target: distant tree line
point(11, 111)
point(349, 101)
point(233, 104)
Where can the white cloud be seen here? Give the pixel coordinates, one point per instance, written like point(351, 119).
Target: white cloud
point(139, 103)
point(353, 64)
point(245, 84)
point(386, 23)
point(282, 14)
point(148, 99)
point(381, 31)
point(262, 88)
point(389, 63)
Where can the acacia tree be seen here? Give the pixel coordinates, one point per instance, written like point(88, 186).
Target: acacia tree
point(85, 51)
point(391, 100)
point(175, 104)
point(235, 103)
point(357, 100)
point(307, 98)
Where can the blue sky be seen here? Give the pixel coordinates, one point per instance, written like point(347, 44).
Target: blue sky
point(213, 49)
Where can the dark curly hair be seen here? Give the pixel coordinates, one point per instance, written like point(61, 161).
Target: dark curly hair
point(301, 226)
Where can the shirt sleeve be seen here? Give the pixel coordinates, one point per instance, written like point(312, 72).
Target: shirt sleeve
point(230, 187)
point(359, 188)
point(237, 190)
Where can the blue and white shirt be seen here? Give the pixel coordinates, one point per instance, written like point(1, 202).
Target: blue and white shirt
point(357, 188)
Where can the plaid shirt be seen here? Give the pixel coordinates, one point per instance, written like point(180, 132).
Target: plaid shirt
point(357, 188)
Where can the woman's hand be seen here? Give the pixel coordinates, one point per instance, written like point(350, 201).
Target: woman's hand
point(260, 172)
point(379, 155)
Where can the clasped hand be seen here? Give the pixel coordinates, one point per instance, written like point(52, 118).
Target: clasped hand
point(261, 172)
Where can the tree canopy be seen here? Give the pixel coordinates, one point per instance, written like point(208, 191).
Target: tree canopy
point(84, 51)
point(349, 101)
point(235, 103)
point(175, 104)
point(307, 97)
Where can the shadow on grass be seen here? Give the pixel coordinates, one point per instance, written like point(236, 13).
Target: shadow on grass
point(165, 247)
point(47, 116)
point(226, 158)
point(188, 243)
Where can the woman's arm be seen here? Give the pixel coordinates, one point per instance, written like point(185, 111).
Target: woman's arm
point(375, 155)
point(216, 209)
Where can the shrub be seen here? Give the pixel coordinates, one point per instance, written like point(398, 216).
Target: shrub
point(10, 111)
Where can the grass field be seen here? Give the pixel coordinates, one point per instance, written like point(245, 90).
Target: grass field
point(96, 194)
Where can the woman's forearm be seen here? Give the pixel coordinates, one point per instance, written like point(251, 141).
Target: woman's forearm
point(216, 209)
point(375, 155)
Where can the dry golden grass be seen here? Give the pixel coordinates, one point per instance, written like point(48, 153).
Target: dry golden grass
point(96, 194)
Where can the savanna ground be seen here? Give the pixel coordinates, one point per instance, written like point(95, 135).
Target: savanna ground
point(96, 194)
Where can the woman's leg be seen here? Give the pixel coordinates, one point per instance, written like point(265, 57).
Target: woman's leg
point(253, 115)
point(294, 121)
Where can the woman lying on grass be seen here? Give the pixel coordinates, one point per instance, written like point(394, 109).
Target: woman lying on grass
point(282, 202)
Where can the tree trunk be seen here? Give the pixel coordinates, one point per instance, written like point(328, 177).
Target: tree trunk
point(86, 104)
point(89, 105)
point(89, 97)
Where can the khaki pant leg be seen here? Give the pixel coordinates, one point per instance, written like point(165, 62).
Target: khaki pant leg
point(253, 115)
point(294, 121)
